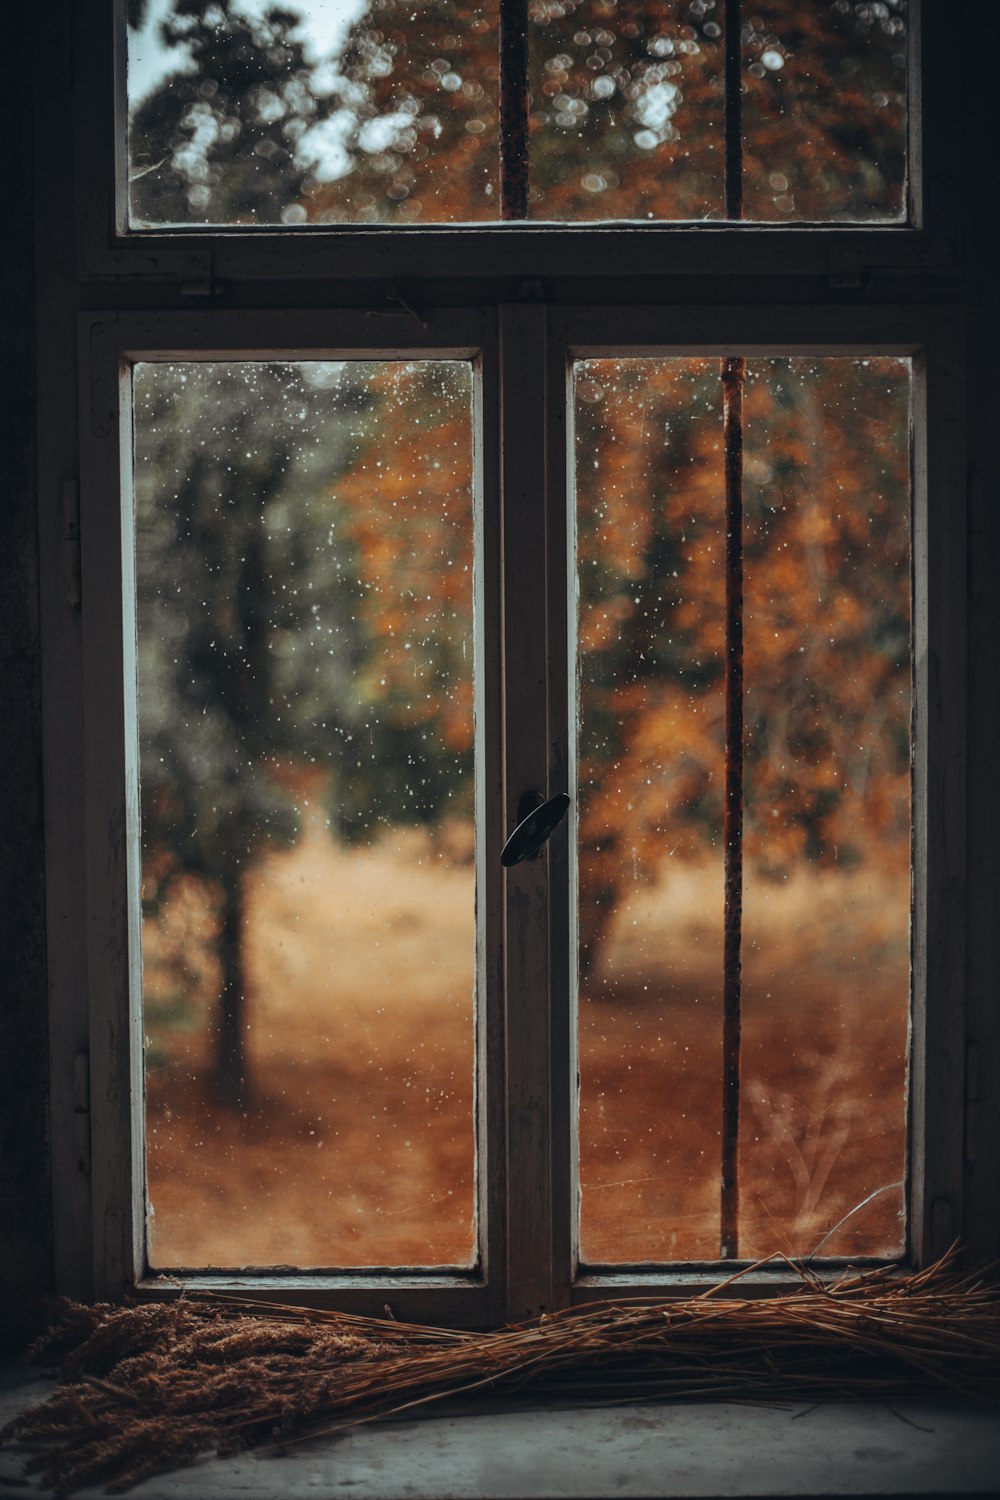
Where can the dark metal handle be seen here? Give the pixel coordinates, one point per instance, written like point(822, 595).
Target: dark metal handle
point(538, 819)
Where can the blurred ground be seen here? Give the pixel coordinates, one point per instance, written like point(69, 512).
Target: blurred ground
point(357, 1147)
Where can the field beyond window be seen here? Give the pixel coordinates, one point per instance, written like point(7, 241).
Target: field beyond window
point(304, 550)
point(391, 113)
point(824, 761)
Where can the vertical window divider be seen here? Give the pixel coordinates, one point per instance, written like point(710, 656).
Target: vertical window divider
point(530, 1269)
point(561, 847)
point(490, 831)
point(111, 817)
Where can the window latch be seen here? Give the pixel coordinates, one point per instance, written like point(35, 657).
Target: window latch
point(538, 818)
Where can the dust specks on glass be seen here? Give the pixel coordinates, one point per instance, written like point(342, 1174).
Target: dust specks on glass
point(386, 113)
point(825, 760)
point(305, 707)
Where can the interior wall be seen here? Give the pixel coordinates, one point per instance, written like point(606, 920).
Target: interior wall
point(25, 1219)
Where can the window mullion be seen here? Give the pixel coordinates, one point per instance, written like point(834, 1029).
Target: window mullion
point(529, 1115)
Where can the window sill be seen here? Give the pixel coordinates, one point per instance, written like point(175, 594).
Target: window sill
point(521, 1450)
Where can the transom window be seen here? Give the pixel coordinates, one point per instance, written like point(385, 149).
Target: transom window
point(568, 110)
point(509, 405)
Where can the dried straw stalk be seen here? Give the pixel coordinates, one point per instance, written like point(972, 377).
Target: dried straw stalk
point(150, 1387)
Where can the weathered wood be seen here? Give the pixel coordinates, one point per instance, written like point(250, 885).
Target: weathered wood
point(25, 1215)
point(526, 768)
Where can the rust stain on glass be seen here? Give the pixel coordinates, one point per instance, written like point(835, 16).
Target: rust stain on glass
point(733, 374)
point(513, 109)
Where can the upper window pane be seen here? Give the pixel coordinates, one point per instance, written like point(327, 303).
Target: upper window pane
point(342, 112)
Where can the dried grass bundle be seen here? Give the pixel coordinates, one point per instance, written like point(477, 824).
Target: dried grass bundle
point(150, 1387)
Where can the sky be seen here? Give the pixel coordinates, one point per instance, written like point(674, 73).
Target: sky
point(324, 25)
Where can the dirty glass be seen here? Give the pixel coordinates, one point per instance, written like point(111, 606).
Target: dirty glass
point(826, 890)
point(824, 110)
point(344, 112)
point(305, 705)
point(313, 113)
point(650, 550)
point(826, 756)
point(627, 111)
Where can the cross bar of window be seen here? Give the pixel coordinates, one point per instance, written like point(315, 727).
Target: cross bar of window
point(513, 109)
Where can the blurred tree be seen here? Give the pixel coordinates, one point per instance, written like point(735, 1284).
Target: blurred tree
point(304, 599)
point(218, 142)
point(237, 563)
point(826, 622)
point(626, 118)
point(626, 121)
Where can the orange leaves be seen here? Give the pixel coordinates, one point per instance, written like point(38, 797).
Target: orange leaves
point(826, 611)
point(406, 505)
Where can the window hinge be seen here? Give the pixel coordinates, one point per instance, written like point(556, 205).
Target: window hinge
point(71, 541)
point(972, 1086)
point(976, 530)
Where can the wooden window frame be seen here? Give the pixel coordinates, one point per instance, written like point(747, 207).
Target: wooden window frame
point(208, 259)
point(526, 1054)
point(525, 300)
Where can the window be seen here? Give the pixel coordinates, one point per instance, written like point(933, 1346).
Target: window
point(521, 355)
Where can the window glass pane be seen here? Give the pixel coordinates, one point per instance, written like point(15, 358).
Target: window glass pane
point(826, 914)
point(651, 543)
point(627, 110)
point(826, 893)
point(824, 109)
point(314, 112)
point(387, 113)
point(304, 574)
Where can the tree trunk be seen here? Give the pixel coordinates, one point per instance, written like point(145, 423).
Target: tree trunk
point(231, 1061)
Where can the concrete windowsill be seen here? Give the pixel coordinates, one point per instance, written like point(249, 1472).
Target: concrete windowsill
point(520, 1451)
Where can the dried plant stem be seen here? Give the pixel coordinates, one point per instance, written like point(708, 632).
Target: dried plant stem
point(150, 1387)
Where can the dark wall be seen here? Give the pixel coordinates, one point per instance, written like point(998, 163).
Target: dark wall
point(25, 1227)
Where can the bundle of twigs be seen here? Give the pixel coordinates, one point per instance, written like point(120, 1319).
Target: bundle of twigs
point(149, 1387)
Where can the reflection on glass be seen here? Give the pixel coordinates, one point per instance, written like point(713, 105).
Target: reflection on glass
point(627, 110)
point(826, 926)
point(313, 113)
point(824, 109)
point(386, 113)
point(304, 579)
point(651, 537)
point(827, 755)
